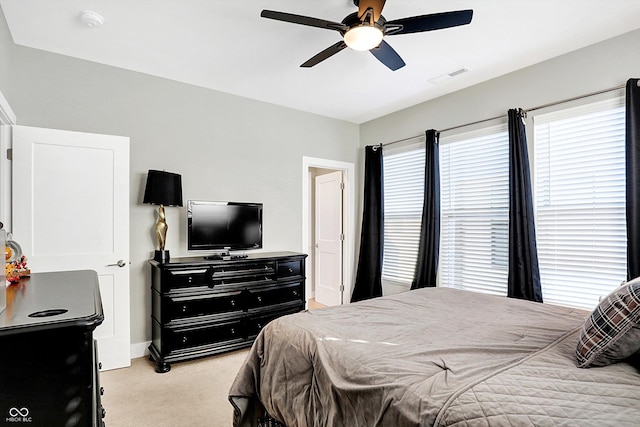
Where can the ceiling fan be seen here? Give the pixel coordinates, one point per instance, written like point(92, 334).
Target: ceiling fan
point(365, 29)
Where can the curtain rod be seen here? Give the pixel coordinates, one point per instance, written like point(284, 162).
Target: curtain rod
point(551, 104)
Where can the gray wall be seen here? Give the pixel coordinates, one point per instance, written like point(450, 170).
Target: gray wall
point(600, 66)
point(226, 147)
point(5, 47)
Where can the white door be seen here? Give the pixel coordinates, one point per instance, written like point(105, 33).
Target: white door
point(328, 236)
point(71, 212)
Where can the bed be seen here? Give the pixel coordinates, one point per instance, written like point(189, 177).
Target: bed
point(436, 356)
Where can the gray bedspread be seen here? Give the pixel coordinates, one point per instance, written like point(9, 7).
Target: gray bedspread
point(437, 356)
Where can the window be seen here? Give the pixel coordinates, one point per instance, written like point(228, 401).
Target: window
point(580, 202)
point(403, 198)
point(474, 171)
point(579, 188)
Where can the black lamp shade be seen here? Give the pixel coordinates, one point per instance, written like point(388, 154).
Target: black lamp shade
point(163, 188)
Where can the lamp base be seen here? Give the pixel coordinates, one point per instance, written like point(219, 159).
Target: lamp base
point(161, 256)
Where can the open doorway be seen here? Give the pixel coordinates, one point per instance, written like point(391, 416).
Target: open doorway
point(329, 169)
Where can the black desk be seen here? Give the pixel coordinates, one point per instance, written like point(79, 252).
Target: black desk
point(48, 361)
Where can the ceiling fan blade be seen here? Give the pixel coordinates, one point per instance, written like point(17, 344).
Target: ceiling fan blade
point(376, 5)
point(328, 52)
point(303, 20)
point(388, 56)
point(434, 21)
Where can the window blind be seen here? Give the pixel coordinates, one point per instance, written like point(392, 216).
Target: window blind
point(474, 172)
point(580, 202)
point(403, 198)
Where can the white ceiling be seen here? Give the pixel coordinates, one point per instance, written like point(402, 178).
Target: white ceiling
point(225, 45)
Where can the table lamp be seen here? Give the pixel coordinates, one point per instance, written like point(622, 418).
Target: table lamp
point(162, 189)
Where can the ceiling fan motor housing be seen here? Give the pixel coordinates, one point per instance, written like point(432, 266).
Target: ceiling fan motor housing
point(352, 20)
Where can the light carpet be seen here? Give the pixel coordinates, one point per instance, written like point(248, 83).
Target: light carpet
point(193, 393)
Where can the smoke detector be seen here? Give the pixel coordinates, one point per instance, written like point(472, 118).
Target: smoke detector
point(91, 19)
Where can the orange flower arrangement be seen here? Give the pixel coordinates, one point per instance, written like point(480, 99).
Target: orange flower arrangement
point(16, 269)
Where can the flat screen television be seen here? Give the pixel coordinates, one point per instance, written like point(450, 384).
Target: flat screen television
point(223, 225)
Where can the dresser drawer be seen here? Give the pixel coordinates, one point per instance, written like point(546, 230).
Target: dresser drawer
point(255, 323)
point(182, 338)
point(260, 272)
point(290, 268)
point(177, 279)
point(183, 307)
point(272, 295)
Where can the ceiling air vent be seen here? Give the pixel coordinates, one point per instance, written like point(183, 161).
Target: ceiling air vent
point(444, 77)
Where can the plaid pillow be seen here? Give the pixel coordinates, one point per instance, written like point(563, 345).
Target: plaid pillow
point(612, 332)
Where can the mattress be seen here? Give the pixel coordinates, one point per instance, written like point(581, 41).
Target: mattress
point(436, 356)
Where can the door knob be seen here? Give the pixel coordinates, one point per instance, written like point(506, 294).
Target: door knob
point(120, 263)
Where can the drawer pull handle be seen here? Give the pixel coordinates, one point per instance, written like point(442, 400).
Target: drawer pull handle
point(259, 299)
point(295, 293)
point(259, 325)
point(233, 303)
point(233, 331)
point(290, 270)
point(184, 340)
point(184, 308)
point(190, 279)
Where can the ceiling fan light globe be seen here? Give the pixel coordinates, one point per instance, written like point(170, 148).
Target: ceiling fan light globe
point(363, 37)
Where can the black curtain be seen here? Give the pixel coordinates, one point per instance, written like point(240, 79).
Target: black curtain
point(427, 263)
point(369, 273)
point(632, 151)
point(524, 276)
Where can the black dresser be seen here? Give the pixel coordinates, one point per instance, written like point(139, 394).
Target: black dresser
point(202, 307)
point(48, 361)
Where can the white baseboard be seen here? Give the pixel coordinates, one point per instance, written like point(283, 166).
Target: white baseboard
point(140, 349)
